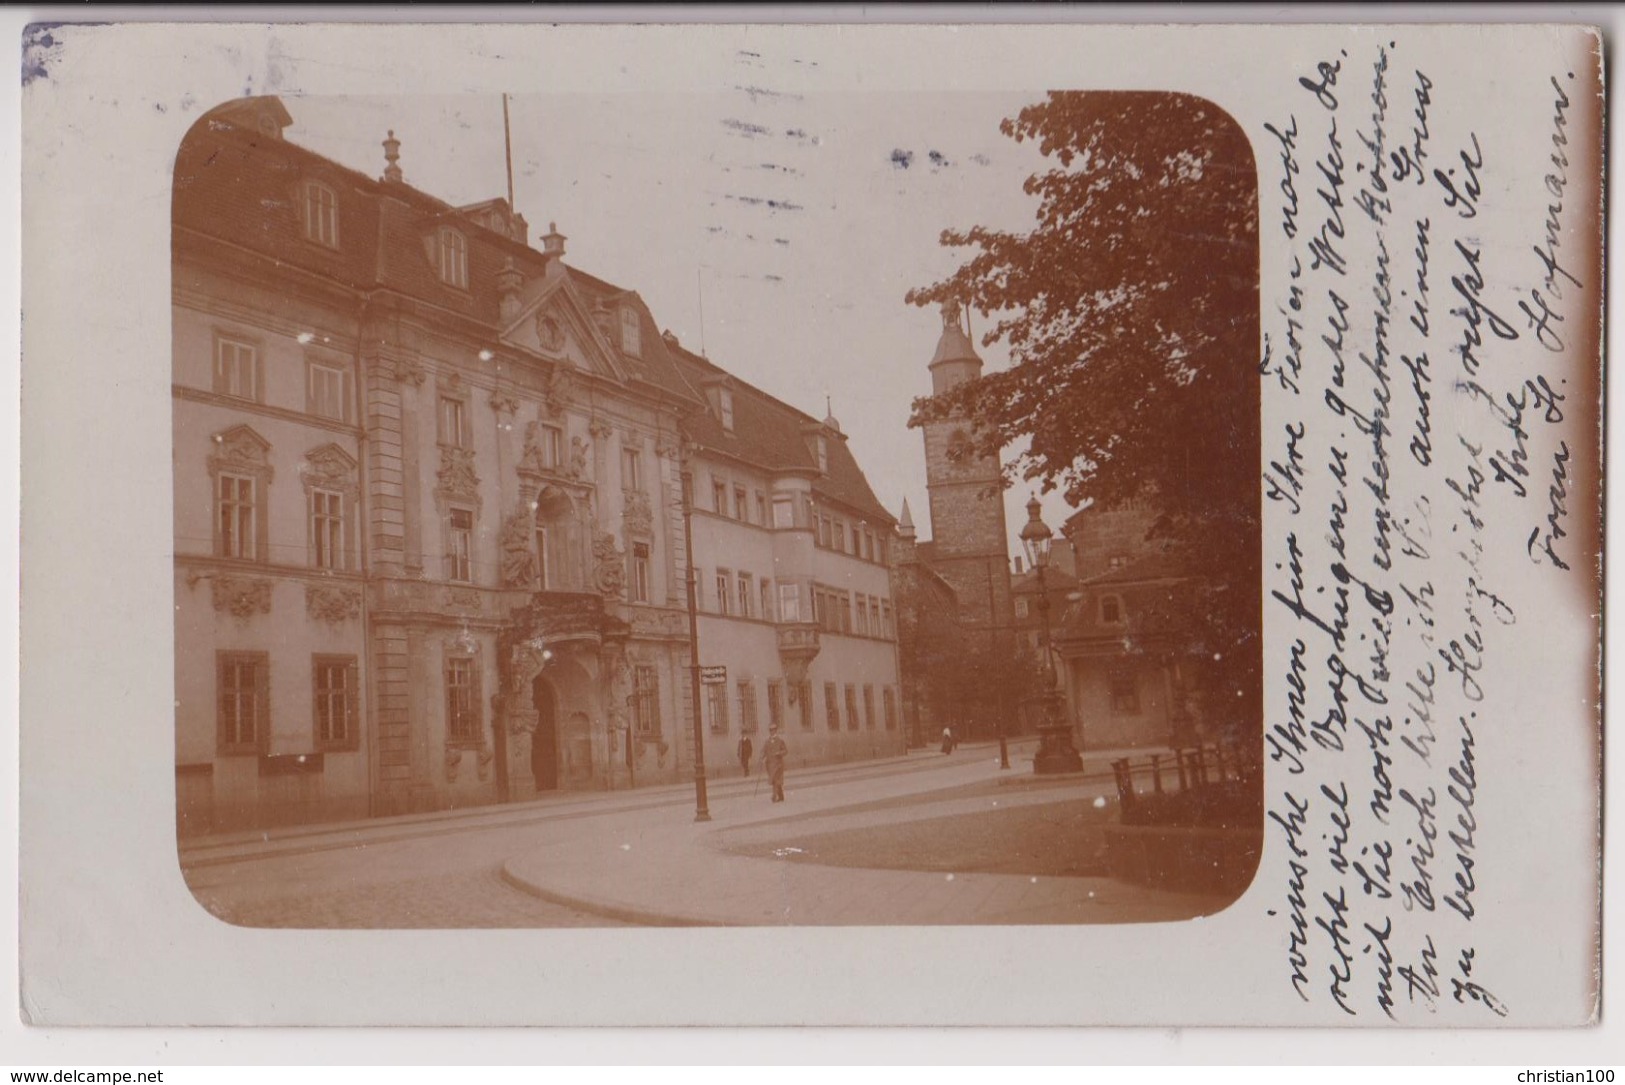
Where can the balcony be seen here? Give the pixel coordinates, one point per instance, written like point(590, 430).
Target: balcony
point(566, 616)
point(798, 647)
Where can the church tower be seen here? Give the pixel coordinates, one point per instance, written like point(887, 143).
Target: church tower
point(969, 541)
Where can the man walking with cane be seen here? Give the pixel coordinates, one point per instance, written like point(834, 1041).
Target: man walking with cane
point(774, 754)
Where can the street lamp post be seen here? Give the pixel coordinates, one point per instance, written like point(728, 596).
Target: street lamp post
point(702, 811)
point(1056, 754)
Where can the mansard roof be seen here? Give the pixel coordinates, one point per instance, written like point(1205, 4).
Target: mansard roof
point(245, 188)
point(768, 432)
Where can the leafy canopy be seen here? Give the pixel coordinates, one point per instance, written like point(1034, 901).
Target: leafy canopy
point(1130, 311)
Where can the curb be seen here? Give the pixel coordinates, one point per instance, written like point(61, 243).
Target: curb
point(617, 912)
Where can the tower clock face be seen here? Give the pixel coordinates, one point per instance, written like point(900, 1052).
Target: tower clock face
point(549, 334)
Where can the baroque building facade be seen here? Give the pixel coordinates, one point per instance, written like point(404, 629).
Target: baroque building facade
point(430, 537)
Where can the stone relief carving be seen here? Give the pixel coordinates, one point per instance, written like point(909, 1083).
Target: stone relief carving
point(527, 662)
point(463, 597)
point(332, 605)
point(637, 518)
point(549, 333)
point(330, 468)
point(609, 566)
point(463, 644)
point(531, 460)
point(556, 392)
point(668, 445)
point(457, 477)
point(504, 401)
point(449, 381)
point(483, 762)
point(409, 369)
point(241, 451)
point(600, 429)
point(454, 760)
point(620, 690)
point(240, 596)
point(523, 721)
point(518, 559)
point(578, 458)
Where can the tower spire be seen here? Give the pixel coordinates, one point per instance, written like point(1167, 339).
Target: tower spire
point(970, 545)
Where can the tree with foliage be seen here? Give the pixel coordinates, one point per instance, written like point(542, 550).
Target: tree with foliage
point(1130, 315)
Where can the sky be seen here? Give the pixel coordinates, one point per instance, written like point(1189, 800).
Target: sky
point(778, 230)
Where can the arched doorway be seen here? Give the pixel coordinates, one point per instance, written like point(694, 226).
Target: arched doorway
point(544, 743)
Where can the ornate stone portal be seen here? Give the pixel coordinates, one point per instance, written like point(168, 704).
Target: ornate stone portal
point(570, 631)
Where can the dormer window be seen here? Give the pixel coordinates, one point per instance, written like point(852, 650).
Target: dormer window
point(453, 258)
point(631, 332)
point(321, 215)
point(821, 450)
point(1111, 610)
point(725, 409)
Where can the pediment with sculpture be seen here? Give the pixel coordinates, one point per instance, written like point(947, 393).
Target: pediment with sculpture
point(557, 324)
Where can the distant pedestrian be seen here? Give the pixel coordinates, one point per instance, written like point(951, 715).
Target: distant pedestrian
point(773, 756)
point(745, 750)
point(948, 740)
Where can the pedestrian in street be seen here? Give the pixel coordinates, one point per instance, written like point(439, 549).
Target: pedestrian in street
point(947, 740)
point(773, 756)
point(745, 750)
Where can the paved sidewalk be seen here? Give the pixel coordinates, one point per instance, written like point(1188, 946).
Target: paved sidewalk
point(648, 867)
point(320, 836)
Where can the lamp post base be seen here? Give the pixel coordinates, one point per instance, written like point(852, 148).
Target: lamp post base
point(1056, 754)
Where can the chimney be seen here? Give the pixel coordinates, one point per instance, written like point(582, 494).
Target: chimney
point(510, 280)
point(553, 249)
point(392, 158)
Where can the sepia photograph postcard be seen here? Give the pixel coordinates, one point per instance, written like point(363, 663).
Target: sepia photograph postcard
point(761, 525)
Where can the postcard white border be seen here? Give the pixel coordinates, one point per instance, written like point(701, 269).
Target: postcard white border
point(745, 965)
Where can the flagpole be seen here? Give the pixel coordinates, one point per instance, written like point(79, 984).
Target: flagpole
point(507, 144)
